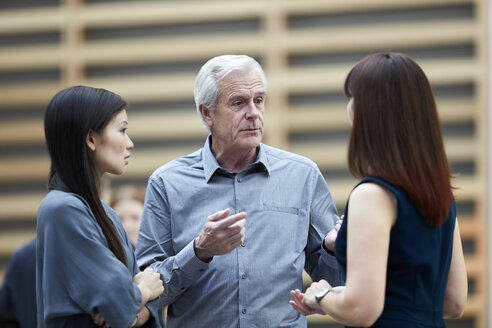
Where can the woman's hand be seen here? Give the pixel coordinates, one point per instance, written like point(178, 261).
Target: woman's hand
point(331, 237)
point(150, 284)
point(309, 296)
point(100, 321)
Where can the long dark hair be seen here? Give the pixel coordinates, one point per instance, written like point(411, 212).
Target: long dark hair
point(69, 117)
point(396, 133)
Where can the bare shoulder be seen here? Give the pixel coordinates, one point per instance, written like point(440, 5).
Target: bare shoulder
point(371, 191)
point(373, 198)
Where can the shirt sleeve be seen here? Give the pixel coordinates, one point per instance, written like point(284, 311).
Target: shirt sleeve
point(320, 264)
point(178, 270)
point(77, 260)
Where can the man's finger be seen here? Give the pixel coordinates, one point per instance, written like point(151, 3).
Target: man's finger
point(232, 220)
point(217, 216)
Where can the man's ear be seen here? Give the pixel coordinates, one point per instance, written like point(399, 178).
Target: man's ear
point(206, 114)
point(90, 140)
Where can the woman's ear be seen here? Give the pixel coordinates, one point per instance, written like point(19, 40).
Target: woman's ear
point(90, 140)
point(206, 114)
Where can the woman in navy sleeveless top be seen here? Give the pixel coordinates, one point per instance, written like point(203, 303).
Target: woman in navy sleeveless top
point(399, 246)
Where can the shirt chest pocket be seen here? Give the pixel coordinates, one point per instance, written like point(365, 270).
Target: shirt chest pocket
point(289, 227)
point(269, 207)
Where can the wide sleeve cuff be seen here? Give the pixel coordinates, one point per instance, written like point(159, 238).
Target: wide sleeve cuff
point(189, 264)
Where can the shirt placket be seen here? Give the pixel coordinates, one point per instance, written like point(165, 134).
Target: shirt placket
point(240, 189)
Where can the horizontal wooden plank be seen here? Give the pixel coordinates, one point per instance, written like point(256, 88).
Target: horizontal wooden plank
point(177, 124)
point(331, 78)
point(29, 20)
point(179, 86)
point(12, 240)
point(322, 117)
point(470, 228)
point(20, 205)
point(143, 162)
point(303, 7)
point(13, 96)
point(183, 48)
point(474, 266)
point(123, 14)
point(104, 15)
point(22, 132)
point(457, 150)
point(31, 57)
point(379, 37)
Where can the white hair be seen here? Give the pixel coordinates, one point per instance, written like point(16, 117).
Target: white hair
point(206, 89)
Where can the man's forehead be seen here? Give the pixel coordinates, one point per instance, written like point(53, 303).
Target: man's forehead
point(242, 82)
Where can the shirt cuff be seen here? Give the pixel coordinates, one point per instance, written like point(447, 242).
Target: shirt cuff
point(332, 253)
point(187, 262)
point(328, 257)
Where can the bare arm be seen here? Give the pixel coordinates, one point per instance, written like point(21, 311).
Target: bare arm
point(372, 211)
point(457, 287)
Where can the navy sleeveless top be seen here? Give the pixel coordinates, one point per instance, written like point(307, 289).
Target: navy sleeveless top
point(418, 264)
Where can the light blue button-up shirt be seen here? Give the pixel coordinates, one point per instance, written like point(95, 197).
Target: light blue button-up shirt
point(289, 212)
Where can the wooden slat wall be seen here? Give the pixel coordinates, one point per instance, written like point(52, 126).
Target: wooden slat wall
point(150, 51)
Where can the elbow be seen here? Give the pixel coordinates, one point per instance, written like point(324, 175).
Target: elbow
point(365, 314)
point(454, 310)
point(368, 318)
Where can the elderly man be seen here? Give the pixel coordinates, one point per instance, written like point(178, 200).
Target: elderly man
point(219, 270)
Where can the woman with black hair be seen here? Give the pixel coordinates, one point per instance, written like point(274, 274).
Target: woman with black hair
point(85, 265)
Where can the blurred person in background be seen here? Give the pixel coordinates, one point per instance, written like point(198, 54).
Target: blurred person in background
point(86, 270)
point(217, 266)
point(399, 246)
point(18, 291)
point(128, 202)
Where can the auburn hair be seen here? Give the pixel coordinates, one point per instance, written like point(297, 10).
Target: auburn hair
point(396, 133)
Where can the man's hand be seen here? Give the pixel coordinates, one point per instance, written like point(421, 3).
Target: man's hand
point(220, 234)
point(331, 237)
point(297, 303)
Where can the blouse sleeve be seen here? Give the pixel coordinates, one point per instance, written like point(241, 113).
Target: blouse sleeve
point(79, 264)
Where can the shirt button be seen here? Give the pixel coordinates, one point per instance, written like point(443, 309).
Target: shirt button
point(243, 311)
point(244, 276)
point(243, 244)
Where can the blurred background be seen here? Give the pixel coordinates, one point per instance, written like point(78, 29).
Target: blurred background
point(149, 52)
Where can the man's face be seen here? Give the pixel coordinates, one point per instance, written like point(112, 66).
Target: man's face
point(237, 122)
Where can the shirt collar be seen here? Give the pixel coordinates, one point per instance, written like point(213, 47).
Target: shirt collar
point(210, 164)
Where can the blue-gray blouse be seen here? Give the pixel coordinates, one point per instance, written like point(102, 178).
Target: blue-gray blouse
point(76, 272)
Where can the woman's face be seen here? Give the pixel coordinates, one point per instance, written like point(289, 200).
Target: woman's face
point(111, 149)
point(350, 110)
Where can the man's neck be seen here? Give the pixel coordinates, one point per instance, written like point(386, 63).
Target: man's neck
point(235, 161)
